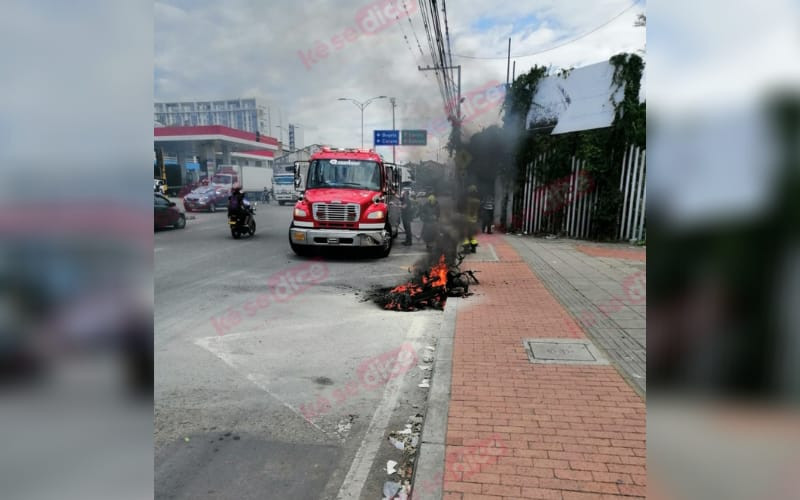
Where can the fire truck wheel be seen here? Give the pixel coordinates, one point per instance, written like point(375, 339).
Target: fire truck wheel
point(299, 250)
point(386, 249)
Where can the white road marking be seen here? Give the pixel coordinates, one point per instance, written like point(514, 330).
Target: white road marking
point(216, 346)
point(362, 462)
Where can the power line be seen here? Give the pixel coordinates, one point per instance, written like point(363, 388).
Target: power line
point(437, 25)
point(403, 32)
point(447, 34)
point(449, 52)
point(584, 35)
point(449, 89)
point(426, 24)
point(408, 16)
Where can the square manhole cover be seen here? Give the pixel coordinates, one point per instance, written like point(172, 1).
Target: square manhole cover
point(563, 351)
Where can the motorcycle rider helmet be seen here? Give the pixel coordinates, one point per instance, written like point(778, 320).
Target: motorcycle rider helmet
point(472, 189)
point(237, 188)
point(431, 199)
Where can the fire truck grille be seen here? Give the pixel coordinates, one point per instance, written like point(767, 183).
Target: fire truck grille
point(335, 212)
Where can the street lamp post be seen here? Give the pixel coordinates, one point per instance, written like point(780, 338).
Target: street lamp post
point(361, 106)
point(394, 104)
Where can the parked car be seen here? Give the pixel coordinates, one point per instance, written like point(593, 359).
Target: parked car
point(205, 198)
point(167, 214)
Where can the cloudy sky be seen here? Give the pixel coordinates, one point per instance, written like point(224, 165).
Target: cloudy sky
point(302, 56)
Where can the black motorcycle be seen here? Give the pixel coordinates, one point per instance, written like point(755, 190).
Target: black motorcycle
point(242, 222)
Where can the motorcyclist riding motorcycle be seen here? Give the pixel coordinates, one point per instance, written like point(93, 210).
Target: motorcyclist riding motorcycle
point(240, 214)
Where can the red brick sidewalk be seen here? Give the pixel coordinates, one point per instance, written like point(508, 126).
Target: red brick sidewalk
point(617, 253)
point(556, 431)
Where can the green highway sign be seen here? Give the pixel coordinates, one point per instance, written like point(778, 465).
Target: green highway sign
point(414, 137)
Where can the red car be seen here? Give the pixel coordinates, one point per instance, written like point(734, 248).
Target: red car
point(166, 214)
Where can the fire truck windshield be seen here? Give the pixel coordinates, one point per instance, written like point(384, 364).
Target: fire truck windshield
point(351, 174)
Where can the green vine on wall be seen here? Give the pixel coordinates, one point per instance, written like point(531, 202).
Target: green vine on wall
point(600, 150)
point(629, 114)
point(518, 98)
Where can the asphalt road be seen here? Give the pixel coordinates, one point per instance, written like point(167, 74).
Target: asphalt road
point(246, 358)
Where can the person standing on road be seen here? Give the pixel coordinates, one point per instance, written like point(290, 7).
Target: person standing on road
point(487, 214)
point(430, 221)
point(265, 195)
point(406, 213)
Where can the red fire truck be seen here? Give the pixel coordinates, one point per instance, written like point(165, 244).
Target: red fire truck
point(348, 198)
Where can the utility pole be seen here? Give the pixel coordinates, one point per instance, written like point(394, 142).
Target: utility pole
point(457, 124)
point(438, 68)
point(508, 62)
point(280, 126)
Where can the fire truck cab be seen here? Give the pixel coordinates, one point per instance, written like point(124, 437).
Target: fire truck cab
point(348, 198)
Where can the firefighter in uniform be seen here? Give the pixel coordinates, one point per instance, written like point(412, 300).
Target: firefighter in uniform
point(472, 207)
point(429, 213)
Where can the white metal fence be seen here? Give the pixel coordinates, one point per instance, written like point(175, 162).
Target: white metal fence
point(566, 205)
point(633, 185)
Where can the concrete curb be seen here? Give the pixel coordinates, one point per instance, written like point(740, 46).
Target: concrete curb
point(429, 473)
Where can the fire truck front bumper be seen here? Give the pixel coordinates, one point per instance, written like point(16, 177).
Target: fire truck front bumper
point(371, 236)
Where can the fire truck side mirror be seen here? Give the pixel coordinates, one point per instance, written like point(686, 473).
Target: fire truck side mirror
point(395, 178)
point(391, 177)
point(298, 166)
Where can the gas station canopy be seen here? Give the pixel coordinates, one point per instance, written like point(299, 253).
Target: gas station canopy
point(207, 140)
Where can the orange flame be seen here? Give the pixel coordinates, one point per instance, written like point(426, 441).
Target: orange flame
point(439, 271)
point(436, 277)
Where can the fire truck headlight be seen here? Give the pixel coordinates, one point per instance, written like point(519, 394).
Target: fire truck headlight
point(377, 214)
point(299, 212)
